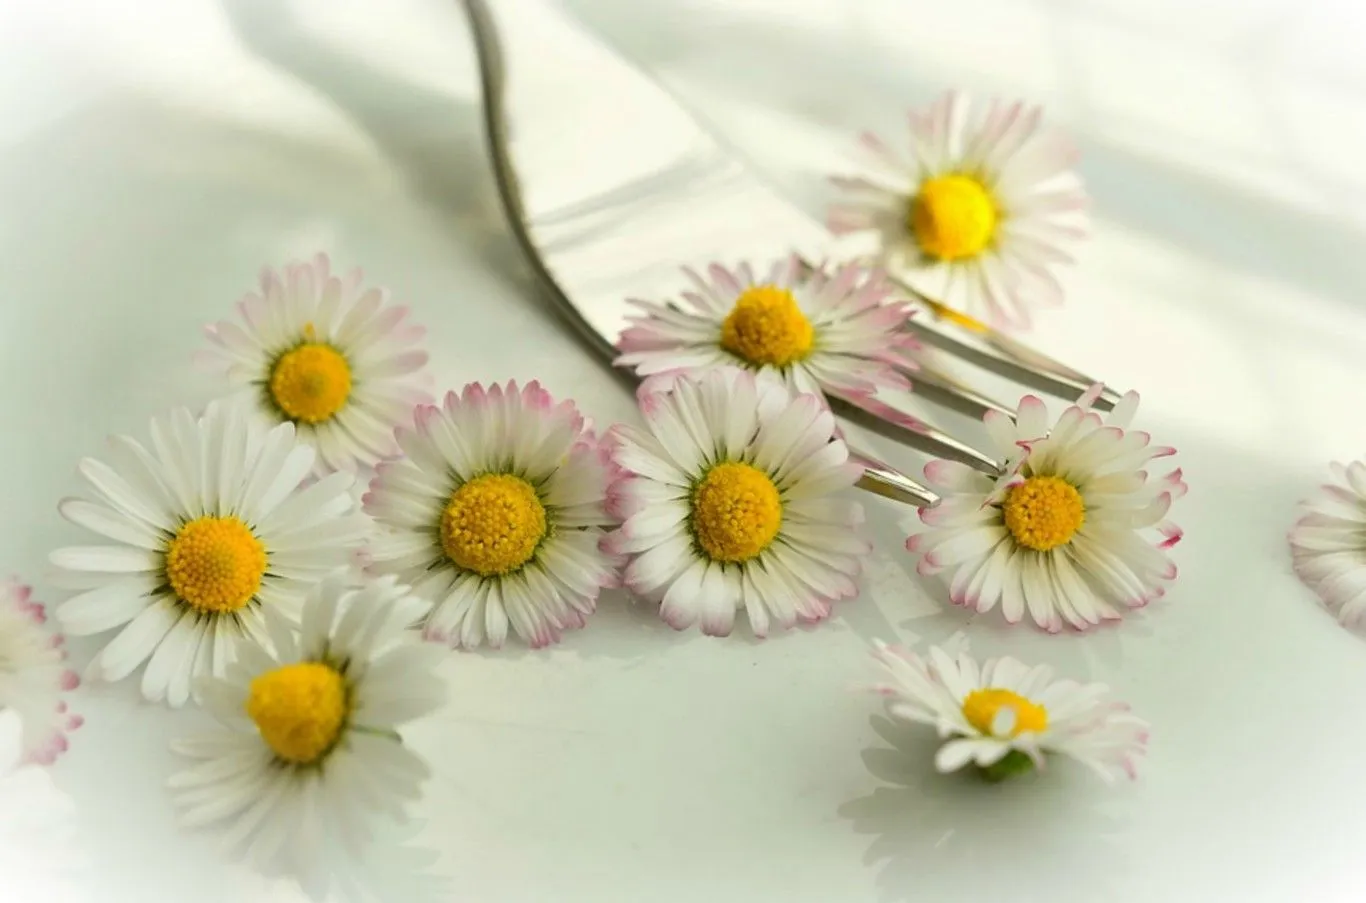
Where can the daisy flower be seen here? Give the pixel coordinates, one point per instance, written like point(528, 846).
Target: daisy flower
point(825, 332)
point(33, 676)
point(977, 212)
point(730, 501)
point(307, 745)
point(1328, 543)
point(494, 516)
point(1063, 532)
point(317, 350)
point(1006, 717)
point(208, 529)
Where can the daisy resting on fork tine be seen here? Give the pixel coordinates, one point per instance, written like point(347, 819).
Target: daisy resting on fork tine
point(1074, 531)
point(834, 331)
point(978, 210)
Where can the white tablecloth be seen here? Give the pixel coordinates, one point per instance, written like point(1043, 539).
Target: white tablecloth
point(154, 154)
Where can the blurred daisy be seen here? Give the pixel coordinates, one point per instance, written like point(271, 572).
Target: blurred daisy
point(33, 675)
point(1062, 533)
point(1328, 543)
point(38, 836)
point(308, 745)
point(209, 528)
point(336, 360)
point(730, 500)
point(827, 332)
point(495, 514)
point(1005, 717)
point(977, 213)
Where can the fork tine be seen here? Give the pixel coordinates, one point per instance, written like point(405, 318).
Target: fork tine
point(938, 387)
point(980, 344)
point(890, 483)
point(885, 421)
point(934, 385)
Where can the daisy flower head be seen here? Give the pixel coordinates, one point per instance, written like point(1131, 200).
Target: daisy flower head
point(1005, 717)
point(837, 332)
point(494, 516)
point(1073, 531)
point(319, 350)
point(205, 531)
point(730, 500)
point(33, 675)
point(977, 212)
point(1328, 543)
point(307, 744)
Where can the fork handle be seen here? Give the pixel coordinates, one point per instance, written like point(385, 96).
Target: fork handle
point(878, 478)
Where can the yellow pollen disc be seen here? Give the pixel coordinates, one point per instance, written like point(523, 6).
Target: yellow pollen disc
point(767, 327)
point(311, 383)
point(299, 710)
point(981, 707)
point(1043, 513)
point(493, 524)
point(736, 512)
point(953, 217)
point(215, 564)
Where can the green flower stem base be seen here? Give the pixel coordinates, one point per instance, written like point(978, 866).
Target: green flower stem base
point(1012, 764)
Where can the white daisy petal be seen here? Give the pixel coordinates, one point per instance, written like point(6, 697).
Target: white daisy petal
point(285, 483)
point(172, 656)
point(107, 559)
point(114, 603)
point(683, 599)
point(133, 484)
point(267, 459)
point(751, 525)
point(306, 750)
point(957, 753)
point(473, 619)
point(326, 355)
point(138, 640)
point(245, 538)
point(657, 567)
point(110, 524)
point(495, 616)
point(720, 596)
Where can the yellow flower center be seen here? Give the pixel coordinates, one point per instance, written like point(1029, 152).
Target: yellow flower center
point(299, 710)
point(493, 524)
point(311, 383)
point(767, 327)
point(981, 707)
point(215, 564)
point(1043, 513)
point(736, 512)
point(953, 217)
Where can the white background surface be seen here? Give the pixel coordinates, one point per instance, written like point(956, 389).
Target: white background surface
point(153, 155)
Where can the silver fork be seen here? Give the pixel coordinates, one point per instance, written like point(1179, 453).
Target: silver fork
point(610, 187)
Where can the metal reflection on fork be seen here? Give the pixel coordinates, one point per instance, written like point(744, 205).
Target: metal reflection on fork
point(610, 187)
